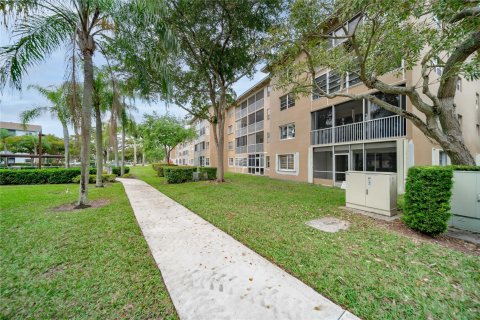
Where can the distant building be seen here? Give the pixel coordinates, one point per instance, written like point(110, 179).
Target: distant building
point(17, 129)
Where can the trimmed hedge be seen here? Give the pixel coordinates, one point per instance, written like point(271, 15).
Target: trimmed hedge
point(93, 178)
point(160, 168)
point(117, 170)
point(39, 176)
point(176, 174)
point(427, 199)
point(208, 173)
point(156, 165)
point(464, 168)
point(180, 174)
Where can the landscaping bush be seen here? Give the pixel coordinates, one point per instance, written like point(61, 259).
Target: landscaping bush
point(128, 176)
point(160, 167)
point(156, 165)
point(208, 173)
point(176, 174)
point(427, 199)
point(464, 168)
point(93, 178)
point(117, 170)
point(39, 176)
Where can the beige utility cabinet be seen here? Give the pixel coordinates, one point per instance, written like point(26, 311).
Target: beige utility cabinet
point(372, 191)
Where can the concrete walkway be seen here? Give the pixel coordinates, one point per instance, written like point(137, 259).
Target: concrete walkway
point(210, 275)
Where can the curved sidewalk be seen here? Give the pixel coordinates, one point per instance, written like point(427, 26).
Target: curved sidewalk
point(210, 275)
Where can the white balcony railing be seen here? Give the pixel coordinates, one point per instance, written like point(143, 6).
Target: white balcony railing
point(388, 127)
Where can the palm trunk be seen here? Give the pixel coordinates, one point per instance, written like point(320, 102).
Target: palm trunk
point(122, 169)
point(86, 123)
point(66, 145)
point(134, 152)
point(99, 146)
point(115, 150)
point(143, 157)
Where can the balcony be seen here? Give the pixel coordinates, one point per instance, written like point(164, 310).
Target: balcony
point(388, 127)
point(254, 127)
point(241, 132)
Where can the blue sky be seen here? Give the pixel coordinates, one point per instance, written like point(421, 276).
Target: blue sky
point(52, 72)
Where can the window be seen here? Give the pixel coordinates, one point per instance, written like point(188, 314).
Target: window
point(255, 117)
point(353, 78)
point(267, 161)
point(230, 162)
point(331, 82)
point(230, 145)
point(242, 141)
point(287, 101)
point(334, 82)
point(230, 129)
point(286, 162)
point(201, 132)
point(287, 131)
point(442, 158)
point(207, 145)
point(438, 67)
point(241, 162)
point(207, 161)
point(321, 83)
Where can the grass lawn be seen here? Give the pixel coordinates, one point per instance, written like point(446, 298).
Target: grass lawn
point(87, 264)
point(372, 271)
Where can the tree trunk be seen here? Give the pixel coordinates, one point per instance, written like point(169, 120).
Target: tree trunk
point(86, 125)
point(134, 152)
point(115, 150)
point(122, 169)
point(66, 145)
point(143, 157)
point(107, 157)
point(98, 146)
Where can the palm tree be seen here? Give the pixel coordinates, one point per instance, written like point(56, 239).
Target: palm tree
point(47, 25)
point(102, 97)
point(59, 109)
point(127, 123)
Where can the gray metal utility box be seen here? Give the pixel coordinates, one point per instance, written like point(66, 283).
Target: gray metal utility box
point(465, 202)
point(372, 191)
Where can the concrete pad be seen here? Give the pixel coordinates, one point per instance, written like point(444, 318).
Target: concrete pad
point(210, 275)
point(464, 235)
point(396, 216)
point(328, 224)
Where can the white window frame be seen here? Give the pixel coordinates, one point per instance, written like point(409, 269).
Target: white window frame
point(288, 155)
point(287, 126)
point(230, 129)
point(231, 162)
point(207, 162)
point(288, 99)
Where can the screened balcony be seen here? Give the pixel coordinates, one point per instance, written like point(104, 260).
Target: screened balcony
point(355, 121)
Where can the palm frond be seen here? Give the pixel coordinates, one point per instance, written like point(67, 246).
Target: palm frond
point(39, 35)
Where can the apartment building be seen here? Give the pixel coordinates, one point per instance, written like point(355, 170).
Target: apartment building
point(315, 139)
point(197, 152)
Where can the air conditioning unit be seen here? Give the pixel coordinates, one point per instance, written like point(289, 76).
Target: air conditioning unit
point(372, 191)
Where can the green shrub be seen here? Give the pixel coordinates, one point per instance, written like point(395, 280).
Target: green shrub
point(208, 173)
point(117, 170)
point(464, 168)
point(160, 168)
point(427, 199)
point(128, 176)
point(156, 165)
point(39, 176)
point(176, 174)
point(93, 178)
